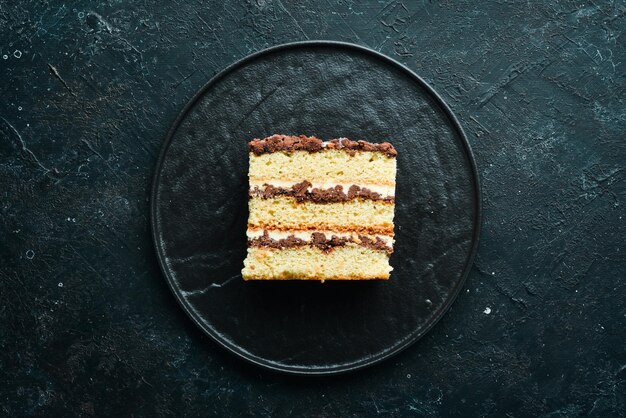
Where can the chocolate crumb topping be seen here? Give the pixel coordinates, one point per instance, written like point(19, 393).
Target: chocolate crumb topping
point(288, 143)
point(320, 241)
point(353, 146)
point(331, 195)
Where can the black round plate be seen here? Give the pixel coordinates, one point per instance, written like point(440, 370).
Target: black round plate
point(199, 207)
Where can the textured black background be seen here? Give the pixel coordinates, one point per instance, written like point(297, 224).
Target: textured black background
point(87, 323)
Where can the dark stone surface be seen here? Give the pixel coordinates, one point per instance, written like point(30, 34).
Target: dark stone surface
point(87, 323)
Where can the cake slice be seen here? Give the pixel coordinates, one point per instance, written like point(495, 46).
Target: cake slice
point(320, 210)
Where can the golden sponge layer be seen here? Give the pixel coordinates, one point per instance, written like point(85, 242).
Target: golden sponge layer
point(350, 262)
point(326, 166)
point(286, 213)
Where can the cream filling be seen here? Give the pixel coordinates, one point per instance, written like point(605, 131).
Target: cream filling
point(325, 143)
point(384, 191)
point(306, 235)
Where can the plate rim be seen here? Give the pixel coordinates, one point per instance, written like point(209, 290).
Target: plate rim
point(303, 370)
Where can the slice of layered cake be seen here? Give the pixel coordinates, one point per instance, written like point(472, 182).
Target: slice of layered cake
point(320, 210)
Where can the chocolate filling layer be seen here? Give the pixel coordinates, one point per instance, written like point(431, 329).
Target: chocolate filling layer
point(289, 143)
point(361, 229)
point(320, 241)
point(332, 195)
